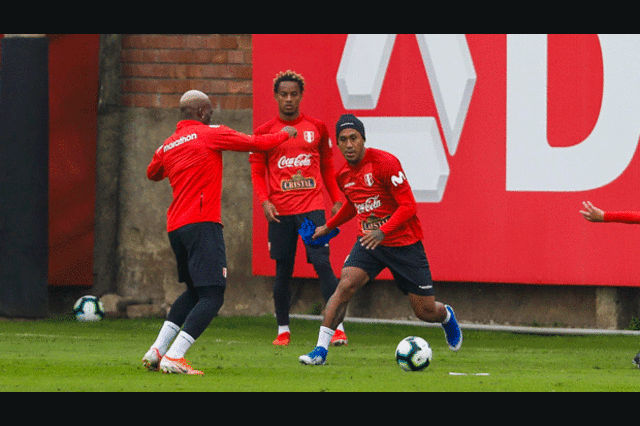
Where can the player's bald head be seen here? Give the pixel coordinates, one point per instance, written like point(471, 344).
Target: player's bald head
point(194, 99)
point(196, 105)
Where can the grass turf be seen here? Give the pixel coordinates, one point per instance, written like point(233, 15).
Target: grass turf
point(236, 355)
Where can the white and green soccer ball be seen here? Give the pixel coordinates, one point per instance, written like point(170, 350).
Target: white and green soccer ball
point(413, 354)
point(88, 309)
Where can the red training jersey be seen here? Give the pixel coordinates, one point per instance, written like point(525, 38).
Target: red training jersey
point(192, 160)
point(380, 197)
point(293, 174)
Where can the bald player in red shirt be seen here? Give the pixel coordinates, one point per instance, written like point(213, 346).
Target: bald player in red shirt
point(389, 236)
point(191, 159)
point(289, 181)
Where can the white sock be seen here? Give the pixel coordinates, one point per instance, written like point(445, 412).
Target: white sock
point(324, 337)
point(283, 329)
point(167, 333)
point(180, 346)
point(446, 320)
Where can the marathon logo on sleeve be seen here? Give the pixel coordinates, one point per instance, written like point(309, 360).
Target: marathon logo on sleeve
point(180, 141)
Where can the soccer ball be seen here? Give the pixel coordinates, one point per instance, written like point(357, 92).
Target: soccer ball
point(413, 353)
point(88, 309)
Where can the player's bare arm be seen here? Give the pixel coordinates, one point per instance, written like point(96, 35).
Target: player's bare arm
point(336, 207)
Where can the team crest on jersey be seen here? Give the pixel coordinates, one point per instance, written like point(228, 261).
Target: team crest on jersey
point(309, 136)
point(297, 182)
point(368, 179)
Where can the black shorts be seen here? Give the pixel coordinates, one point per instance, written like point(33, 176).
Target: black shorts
point(408, 265)
point(200, 253)
point(283, 237)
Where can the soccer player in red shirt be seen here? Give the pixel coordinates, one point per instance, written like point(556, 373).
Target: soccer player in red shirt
point(191, 159)
point(289, 181)
point(390, 236)
point(594, 214)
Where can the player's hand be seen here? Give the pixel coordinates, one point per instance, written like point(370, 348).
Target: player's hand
point(291, 130)
point(320, 231)
point(336, 207)
point(270, 212)
point(591, 212)
point(372, 239)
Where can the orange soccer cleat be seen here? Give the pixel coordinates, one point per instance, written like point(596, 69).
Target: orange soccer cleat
point(339, 338)
point(283, 339)
point(177, 366)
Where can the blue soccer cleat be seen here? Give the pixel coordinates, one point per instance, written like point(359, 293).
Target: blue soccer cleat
point(316, 357)
point(452, 331)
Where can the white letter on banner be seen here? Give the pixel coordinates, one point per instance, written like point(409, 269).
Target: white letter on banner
point(532, 164)
point(362, 69)
point(452, 77)
point(425, 164)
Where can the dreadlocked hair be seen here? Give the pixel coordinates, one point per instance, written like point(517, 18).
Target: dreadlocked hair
point(288, 75)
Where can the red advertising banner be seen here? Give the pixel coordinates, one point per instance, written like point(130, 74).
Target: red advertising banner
point(73, 131)
point(73, 108)
point(501, 138)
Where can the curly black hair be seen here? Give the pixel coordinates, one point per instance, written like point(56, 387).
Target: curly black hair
point(288, 75)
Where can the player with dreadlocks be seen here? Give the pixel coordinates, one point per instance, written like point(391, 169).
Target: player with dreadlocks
point(289, 181)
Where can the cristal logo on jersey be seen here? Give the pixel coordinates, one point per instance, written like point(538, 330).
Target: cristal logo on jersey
point(373, 222)
point(298, 181)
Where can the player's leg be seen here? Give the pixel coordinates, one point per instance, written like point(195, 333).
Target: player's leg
point(180, 308)
point(170, 329)
point(428, 309)
point(207, 269)
point(412, 275)
point(351, 280)
point(283, 237)
point(210, 300)
point(319, 258)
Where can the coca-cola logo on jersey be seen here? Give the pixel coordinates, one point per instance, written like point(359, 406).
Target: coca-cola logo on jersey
point(301, 160)
point(369, 205)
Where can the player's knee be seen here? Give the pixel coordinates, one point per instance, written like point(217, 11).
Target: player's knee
point(425, 310)
point(345, 291)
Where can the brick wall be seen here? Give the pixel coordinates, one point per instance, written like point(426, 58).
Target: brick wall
point(156, 69)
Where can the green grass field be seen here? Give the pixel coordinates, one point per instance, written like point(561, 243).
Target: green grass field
point(236, 355)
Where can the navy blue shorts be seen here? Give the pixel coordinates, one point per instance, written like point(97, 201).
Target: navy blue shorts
point(283, 237)
point(408, 265)
point(200, 253)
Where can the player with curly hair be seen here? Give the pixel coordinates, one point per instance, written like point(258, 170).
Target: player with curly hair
point(289, 181)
